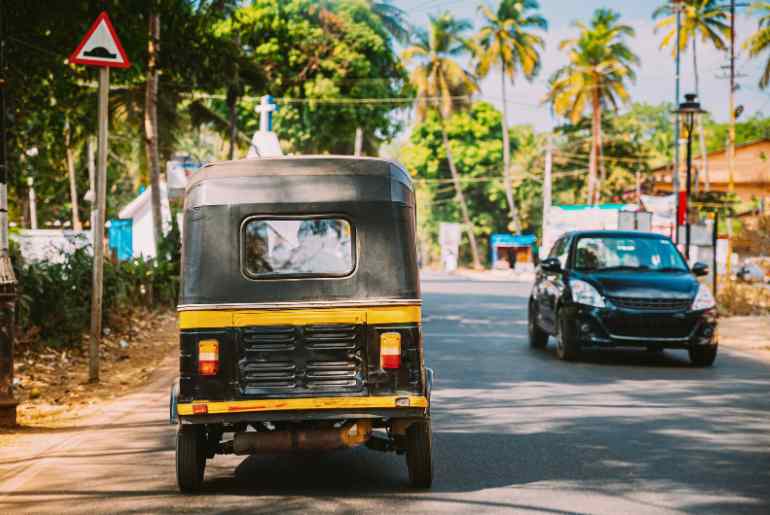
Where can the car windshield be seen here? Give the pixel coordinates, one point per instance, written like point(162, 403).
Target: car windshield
point(627, 253)
point(309, 247)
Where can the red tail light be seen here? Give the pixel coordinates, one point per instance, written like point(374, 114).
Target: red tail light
point(208, 357)
point(390, 350)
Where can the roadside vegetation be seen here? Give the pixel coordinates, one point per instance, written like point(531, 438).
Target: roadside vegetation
point(333, 67)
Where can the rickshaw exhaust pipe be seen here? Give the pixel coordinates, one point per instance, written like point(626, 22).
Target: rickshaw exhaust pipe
point(349, 435)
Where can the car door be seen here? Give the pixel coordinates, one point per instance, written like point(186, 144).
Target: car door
point(548, 287)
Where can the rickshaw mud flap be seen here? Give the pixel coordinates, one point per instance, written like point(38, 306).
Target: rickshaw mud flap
point(349, 435)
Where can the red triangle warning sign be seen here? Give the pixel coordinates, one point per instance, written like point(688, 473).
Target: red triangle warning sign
point(101, 46)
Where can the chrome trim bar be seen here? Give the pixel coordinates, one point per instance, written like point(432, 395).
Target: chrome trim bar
point(298, 305)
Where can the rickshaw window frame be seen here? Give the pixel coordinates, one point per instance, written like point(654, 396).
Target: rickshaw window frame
point(304, 276)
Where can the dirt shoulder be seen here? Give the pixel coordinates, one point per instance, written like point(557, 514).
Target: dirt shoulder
point(750, 334)
point(52, 385)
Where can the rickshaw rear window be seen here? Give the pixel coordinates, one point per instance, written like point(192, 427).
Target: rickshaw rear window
point(274, 248)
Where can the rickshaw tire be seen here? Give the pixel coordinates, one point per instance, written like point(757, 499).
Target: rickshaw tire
point(419, 459)
point(190, 457)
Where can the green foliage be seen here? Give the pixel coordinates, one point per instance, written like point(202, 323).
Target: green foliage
point(474, 137)
point(55, 298)
point(310, 51)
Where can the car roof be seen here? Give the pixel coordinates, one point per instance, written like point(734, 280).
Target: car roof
point(616, 234)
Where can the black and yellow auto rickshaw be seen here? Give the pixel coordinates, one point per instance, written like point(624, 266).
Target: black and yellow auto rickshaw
point(299, 314)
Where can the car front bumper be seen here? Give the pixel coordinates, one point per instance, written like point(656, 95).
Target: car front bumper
point(613, 327)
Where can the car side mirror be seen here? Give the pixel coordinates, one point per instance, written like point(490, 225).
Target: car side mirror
point(551, 264)
point(700, 269)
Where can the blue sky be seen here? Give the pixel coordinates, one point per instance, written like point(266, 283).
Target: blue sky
point(655, 77)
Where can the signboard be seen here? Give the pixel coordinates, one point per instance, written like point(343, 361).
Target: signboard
point(101, 46)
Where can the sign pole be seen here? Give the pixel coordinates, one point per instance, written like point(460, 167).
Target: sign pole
point(98, 226)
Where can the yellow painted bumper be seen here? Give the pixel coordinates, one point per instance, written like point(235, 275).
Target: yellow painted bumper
point(317, 403)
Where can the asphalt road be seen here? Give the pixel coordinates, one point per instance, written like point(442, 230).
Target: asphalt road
point(514, 430)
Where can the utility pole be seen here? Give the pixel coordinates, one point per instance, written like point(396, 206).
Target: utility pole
point(7, 277)
point(731, 138)
point(677, 122)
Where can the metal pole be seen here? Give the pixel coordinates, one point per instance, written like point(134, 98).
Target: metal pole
point(714, 241)
point(7, 277)
point(547, 180)
point(688, 186)
point(98, 227)
point(731, 133)
point(675, 176)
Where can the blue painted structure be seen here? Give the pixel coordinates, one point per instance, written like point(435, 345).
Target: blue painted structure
point(504, 239)
point(120, 237)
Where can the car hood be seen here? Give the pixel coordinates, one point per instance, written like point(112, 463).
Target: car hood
point(645, 285)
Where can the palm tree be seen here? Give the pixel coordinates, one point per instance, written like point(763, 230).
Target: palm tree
point(393, 18)
point(600, 64)
point(759, 42)
point(507, 40)
point(438, 79)
point(704, 18)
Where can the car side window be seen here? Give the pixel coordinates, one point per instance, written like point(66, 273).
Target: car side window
point(560, 250)
point(555, 249)
point(563, 253)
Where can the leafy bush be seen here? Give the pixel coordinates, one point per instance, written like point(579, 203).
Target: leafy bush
point(54, 303)
point(737, 299)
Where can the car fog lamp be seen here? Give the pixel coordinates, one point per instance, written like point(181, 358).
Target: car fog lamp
point(584, 293)
point(704, 299)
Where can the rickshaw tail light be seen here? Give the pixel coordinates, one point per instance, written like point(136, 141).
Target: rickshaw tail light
point(390, 350)
point(208, 357)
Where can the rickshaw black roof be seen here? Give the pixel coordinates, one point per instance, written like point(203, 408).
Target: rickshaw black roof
point(299, 179)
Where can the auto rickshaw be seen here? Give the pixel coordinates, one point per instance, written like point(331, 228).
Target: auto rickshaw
point(299, 314)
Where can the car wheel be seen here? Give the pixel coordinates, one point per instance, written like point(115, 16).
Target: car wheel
point(419, 458)
point(538, 338)
point(567, 346)
point(190, 457)
point(703, 356)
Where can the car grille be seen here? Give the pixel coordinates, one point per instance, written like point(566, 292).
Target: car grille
point(653, 304)
point(649, 327)
point(310, 359)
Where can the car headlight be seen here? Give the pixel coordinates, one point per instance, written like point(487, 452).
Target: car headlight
point(584, 293)
point(704, 299)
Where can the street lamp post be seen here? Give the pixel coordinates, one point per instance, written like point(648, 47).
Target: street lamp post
point(688, 110)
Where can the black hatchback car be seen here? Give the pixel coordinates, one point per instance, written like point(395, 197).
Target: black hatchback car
point(604, 289)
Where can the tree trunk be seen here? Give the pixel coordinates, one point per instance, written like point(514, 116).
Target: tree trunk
point(596, 122)
point(515, 225)
point(70, 155)
point(460, 196)
point(151, 124)
point(702, 133)
point(232, 105)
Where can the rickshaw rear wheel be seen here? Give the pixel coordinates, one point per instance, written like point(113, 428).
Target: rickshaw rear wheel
point(190, 457)
point(419, 458)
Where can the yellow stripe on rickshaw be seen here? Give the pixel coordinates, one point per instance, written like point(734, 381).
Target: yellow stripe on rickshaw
point(206, 319)
point(318, 403)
